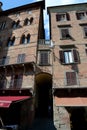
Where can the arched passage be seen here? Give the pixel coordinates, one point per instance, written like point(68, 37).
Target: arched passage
point(44, 95)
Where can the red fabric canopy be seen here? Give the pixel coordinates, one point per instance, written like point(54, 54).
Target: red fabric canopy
point(5, 101)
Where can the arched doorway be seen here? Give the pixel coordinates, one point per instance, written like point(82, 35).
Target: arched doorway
point(44, 103)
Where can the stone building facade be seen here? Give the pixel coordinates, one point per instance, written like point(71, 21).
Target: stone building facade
point(68, 31)
point(20, 30)
point(44, 78)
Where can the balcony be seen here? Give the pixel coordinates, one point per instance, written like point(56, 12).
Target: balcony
point(45, 44)
point(63, 83)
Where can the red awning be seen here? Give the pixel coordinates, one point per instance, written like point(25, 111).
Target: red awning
point(5, 101)
point(71, 101)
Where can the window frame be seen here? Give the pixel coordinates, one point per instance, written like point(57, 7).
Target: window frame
point(68, 35)
point(85, 31)
point(67, 79)
point(42, 62)
point(75, 56)
point(21, 58)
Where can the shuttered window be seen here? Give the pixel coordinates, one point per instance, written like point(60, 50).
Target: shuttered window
point(71, 78)
point(44, 57)
point(69, 56)
point(21, 58)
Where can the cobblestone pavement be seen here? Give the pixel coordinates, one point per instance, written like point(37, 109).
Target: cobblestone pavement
point(43, 124)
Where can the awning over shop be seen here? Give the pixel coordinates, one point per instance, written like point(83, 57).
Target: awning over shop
point(5, 101)
point(71, 101)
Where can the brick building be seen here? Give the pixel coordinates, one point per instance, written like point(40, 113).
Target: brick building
point(68, 29)
point(20, 30)
point(36, 74)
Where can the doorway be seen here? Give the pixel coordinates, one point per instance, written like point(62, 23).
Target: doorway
point(44, 100)
point(78, 118)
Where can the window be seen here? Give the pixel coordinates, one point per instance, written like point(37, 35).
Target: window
point(44, 58)
point(31, 20)
point(17, 14)
point(3, 25)
point(21, 58)
point(71, 78)
point(69, 56)
point(28, 21)
point(16, 24)
point(25, 39)
point(29, 11)
point(5, 60)
point(16, 81)
point(65, 33)
point(81, 15)
point(62, 17)
point(11, 41)
point(28, 38)
point(85, 31)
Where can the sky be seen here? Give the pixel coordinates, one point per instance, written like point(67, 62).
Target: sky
point(8, 4)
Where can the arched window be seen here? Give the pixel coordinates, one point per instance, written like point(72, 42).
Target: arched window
point(28, 38)
point(11, 41)
point(14, 24)
point(27, 21)
point(23, 40)
point(31, 20)
point(18, 23)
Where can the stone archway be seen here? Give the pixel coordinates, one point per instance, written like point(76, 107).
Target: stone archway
point(44, 103)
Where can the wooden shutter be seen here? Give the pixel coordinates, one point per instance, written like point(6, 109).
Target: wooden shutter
point(76, 56)
point(57, 17)
point(68, 16)
point(62, 59)
point(44, 58)
point(77, 15)
point(19, 58)
point(22, 58)
point(71, 78)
